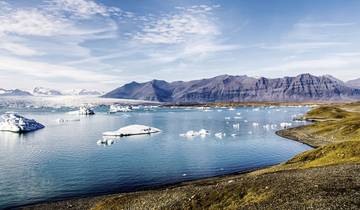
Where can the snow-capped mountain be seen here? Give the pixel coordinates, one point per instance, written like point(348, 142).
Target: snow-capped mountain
point(81, 92)
point(15, 92)
point(41, 91)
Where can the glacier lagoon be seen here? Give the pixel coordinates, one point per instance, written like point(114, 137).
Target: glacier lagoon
point(63, 160)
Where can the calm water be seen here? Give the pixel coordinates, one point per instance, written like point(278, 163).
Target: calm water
point(63, 160)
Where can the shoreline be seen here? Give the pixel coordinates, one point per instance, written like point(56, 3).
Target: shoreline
point(145, 189)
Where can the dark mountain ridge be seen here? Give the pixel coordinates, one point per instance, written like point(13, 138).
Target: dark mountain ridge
point(228, 88)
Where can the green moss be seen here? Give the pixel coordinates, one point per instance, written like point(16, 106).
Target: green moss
point(327, 113)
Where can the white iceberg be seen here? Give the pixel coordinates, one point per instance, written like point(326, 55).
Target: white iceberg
point(132, 130)
point(236, 126)
point(83, 110)
point(255, 124)
point(15, 123)
point(118, 108)
point(285, 125)
point(86, 111)
point(105, 141)
point(192, 133)
point(220, 135)
point(203, 132)
point(61, 120)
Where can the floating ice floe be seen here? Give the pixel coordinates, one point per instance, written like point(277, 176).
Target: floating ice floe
point(86, 111)
point(237, 117)
point(192, 133)
point(118, 108)
point(234, 134)
point(239, 113)
point(245, 121)
point(105, 141)
point(267, 127)
point(83, 111)
point(231, 109)
point(236, 126)
point(60, 120)
point(220, 135)
point(227, 118)
point(15, 123)
point(285, 125)
point(132, 130)
point(256, 109)
point(255, 124)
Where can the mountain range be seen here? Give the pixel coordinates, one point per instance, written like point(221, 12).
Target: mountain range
point(15, 92)
point(41, 91)
point(227, 88)
point(354, 83)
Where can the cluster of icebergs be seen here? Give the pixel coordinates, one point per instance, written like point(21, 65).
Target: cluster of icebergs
point(15, 123)
point(192, 133)
point(118, 108)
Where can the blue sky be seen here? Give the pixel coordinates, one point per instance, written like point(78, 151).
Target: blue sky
point(65, 44)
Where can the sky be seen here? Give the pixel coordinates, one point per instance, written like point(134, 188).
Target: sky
point(103, 44)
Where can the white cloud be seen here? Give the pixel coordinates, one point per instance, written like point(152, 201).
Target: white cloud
point(177, 28)
point(18, 49)
point(82, 8)
point(302, 46)
point(46, 70)
point(31, 22)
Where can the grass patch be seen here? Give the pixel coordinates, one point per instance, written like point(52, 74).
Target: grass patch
point(327, 113)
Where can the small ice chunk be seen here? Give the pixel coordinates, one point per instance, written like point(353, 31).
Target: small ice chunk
point(255, 124)
point(285, 125)
point(105, 141)
point(191, 133)
point(236, 126)
point(220, 135)
point(118, 108)
point(203, 132)
point(86, 111)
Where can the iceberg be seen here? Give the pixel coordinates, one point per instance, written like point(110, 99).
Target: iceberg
point(220, 135)
point(285, 125)
point(117, 108)
point(236, 126)
point(132, 130)
point(203, 132)
point(105, 141)
point(192, 133)
point(86, 111)
point(15, 123)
